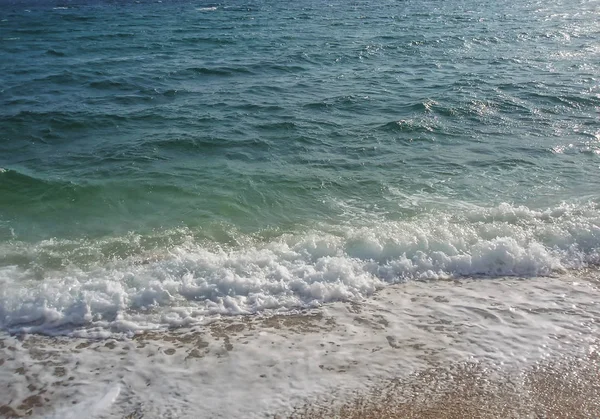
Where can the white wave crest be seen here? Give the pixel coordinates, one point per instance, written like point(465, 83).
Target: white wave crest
point(191, 281)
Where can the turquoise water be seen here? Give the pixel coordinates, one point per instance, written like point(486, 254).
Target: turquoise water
point(166, 161)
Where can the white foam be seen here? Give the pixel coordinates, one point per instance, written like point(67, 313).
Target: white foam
point(91, 408)
point(193, 281)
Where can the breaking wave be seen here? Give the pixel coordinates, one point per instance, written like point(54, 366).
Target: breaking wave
point(130, 283)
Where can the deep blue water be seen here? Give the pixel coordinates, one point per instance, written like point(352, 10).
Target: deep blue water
point(158, 154)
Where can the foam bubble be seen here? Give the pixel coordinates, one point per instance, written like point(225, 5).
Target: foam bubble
point(192, 281)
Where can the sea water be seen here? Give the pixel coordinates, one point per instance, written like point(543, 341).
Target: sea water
point(232, 209)
point(163, 163)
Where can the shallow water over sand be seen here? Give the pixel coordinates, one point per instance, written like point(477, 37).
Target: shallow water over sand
point(428, 334)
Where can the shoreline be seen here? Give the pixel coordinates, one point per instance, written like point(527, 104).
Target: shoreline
point(417, 347)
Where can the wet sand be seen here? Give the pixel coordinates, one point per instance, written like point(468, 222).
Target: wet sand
point(556, 388)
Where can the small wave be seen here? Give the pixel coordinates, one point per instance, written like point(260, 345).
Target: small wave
point(105, 36)
point(190, 280)
point(206, 9)
point(277, 126)
point(55, 53)
point(132, 99)
point(32, 31)
point(278, 68)
point(107, 84)
point(409, 125)
point(18, 187)
point(255, 107)
point(569, 101)
point(214, 71)
point(64, 77)
point(590, 147)
point(205, 40)
point(317, 105)
point(78, 18)
point(206, 144)
point(56, 120)
point(345, 101)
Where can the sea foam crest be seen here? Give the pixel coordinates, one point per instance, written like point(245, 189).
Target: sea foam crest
point(192, 281)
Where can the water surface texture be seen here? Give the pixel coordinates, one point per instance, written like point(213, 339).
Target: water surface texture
point(163, 162)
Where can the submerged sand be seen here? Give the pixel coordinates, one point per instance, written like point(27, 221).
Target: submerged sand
point(444, 349)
